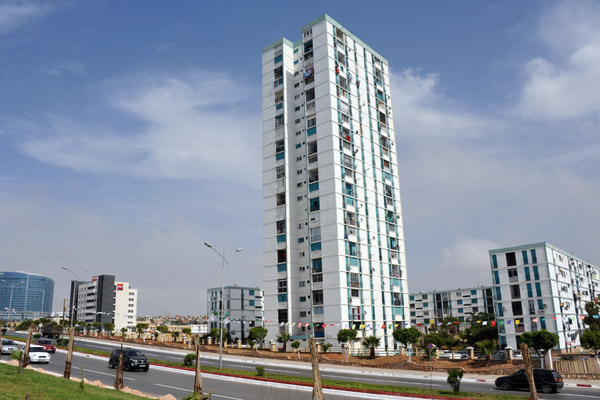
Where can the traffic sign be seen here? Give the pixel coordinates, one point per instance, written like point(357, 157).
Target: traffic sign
point(430, 346)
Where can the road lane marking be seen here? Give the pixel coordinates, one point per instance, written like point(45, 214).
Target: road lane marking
point(578, 395)
point(104, 373)
point(173, 387)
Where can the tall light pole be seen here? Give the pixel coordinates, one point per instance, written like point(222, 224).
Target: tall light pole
point(72, 291)
point(224, 261)
point(12, 286)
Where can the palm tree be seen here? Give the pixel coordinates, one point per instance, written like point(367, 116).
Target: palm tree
point(488, 347)
point(372, 342)
point(175, 335)
point(123, 332)
point(284, 337)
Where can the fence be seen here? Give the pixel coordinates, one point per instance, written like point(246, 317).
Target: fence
point(575, 368)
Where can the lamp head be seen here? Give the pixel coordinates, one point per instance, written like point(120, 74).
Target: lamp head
point(238, 250)
point(208, 244)
point(63, 267)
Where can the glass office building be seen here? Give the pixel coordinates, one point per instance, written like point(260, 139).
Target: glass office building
point(25, 295)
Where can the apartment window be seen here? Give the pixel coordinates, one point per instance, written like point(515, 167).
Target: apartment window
point(496, 278)
point(311, 122)
point(525, 260)
point(354, 280)
point(302, 315)
point(317, 265)
point(517, 308)
point(315, 234)
point(494, 261)
point(279, 121)
point(531, 307)
point(282, 286)
point(280, 227)
point(278, 72)
point(513, 275)
point(318, 297)
point(314, 204)
point(527, 275)
point(310, 94)
point(281, 256)
point(296, 85)
point(299, 198)
point(282, 316)
point(296, 97)
point(352, 249)
point(302, 299)
point(354, 292)
point(280, 172)
point(298, 120)
point(280, 199)
point(279, 96)
point(511, 259)
point(318, 310)
point(538, 289)
point(299, 158)
point(297, 108)
point(533, 256)
point(536, 273)
point(317, 277)
point(301, 284)
point(515, 291)
point(529, 290)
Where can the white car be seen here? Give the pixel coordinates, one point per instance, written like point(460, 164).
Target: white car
point(8, 346)
point(38, 354)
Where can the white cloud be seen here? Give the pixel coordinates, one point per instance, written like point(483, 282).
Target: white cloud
point(421, 110)
point(15, 14)
point(569, 86)
point(191, 128)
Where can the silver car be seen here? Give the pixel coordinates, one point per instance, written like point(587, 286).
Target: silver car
point(8, 346)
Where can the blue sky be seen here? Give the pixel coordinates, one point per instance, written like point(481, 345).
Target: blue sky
point(130, 133)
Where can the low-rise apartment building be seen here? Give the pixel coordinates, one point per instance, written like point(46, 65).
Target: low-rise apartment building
point(429, 308)
point(243, 309)
point(539, 286)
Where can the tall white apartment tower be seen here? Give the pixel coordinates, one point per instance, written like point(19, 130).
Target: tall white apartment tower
point(332, 225)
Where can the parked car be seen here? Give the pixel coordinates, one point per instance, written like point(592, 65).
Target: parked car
point(458, 355)
point(38, 354)
point(47, 344)
point(499, 355)
point(8, 346)
point(132, 359)
point(517, 355)
point(546, 380)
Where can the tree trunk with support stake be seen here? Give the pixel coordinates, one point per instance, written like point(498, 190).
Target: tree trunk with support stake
point(25, 361)
point(69, 360)
point(529, 371)
point(119, 376)
point(316, 373)
point(197, 377)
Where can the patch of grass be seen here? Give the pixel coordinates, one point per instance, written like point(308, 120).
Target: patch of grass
point(45, 387)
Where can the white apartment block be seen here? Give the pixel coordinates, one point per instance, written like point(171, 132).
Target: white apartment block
point(244, 308)
point(428, 308)
point(104, 300)
point(125, 313)
point(332, 220)
point(539, 286)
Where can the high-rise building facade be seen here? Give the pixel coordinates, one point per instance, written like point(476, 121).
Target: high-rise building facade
point(539, 286)
point(24, 295)
point(428, 308)
point(105, 300)
point(243, 309)
point(332, 221)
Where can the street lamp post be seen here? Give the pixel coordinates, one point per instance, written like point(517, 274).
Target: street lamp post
point(12, 286)
point(224, 261)
point(73, 292)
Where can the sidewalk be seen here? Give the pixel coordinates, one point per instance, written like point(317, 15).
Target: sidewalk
point(359, 370)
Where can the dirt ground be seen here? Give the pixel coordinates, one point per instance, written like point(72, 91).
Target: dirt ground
point(496, 367)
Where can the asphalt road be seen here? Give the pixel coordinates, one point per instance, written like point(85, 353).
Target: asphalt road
point(349, 375)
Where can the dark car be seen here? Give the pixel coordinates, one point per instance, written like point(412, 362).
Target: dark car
point(546, 380)
point(132, 359)
point(48, 345)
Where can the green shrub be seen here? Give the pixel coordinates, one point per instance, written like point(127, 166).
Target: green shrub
point(454, 377)
point(188, 360)
point(260, 371)
point(37, 335)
